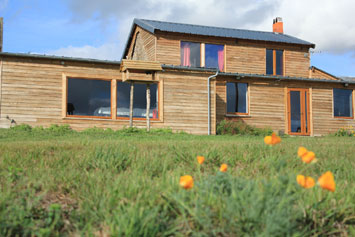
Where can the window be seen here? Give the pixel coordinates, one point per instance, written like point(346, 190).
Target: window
point(274, 62)
point(139, 100)
point(89, 98)
point(190, 54)
point(214, 56)
point(343, 103)
point(237, 98)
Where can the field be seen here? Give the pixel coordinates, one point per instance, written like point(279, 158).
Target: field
point(101, 183)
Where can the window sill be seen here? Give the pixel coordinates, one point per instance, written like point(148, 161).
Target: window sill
point(112, 120)
point(237, 115)
point(343, 118)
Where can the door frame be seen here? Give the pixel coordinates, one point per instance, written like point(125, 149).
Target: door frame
point(304, 112)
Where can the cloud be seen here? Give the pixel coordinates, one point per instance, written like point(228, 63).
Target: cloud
point(329, 25)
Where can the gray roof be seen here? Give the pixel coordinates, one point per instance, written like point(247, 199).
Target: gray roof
point(351, 79)
point(152, 26)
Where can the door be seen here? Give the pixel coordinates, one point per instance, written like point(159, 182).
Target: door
point(298, 111)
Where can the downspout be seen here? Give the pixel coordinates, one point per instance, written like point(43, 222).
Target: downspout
point(209, 101)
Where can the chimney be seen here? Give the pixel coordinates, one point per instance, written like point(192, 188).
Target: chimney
point(278, 25)
point(1, 30)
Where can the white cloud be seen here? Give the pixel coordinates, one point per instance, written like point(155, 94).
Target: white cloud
point(328, 24)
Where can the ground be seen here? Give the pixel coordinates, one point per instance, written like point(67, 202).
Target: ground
point(127, 183)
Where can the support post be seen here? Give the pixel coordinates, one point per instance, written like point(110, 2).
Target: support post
point(148, 107)
point(131, 105)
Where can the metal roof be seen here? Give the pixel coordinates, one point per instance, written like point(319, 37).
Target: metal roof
point(152, 26)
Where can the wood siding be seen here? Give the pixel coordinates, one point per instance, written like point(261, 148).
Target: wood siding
point(32, 93)
point(316, 73)
point(143, 45)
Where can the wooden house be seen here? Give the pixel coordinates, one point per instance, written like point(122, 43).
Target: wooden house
point(188, 77)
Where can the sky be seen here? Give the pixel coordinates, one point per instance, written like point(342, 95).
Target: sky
point(99, 29)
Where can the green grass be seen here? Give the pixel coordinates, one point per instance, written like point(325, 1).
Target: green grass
point(59, 182)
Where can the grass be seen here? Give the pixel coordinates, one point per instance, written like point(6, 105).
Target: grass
point(59, 182)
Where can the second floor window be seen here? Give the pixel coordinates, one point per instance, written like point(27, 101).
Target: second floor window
point(214, 56)
point(190, 54)
point(274, 62)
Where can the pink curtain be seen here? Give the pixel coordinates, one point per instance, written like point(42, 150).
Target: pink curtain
point(186, 56)
point(221, 60)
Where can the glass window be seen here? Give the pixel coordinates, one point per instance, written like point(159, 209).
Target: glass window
point(190, 54)
point(89, 97)
point(269, 62)
point(139, 100)
point(343, 102)
point(214, 56)
point(237, 97)
point(277, 61)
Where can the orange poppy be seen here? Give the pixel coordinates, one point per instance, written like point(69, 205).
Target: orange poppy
point(223, 168)
point(272, 140)
point(306, 156)
point(326, 181)
point(305, 181)
point(186, 182)
point(200, 159)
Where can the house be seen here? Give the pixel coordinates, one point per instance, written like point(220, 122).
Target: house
point(188, 77)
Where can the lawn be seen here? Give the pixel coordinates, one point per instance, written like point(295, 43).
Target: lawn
point(58, 182)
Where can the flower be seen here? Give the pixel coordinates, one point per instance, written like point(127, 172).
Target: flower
point(306, 156)
point(186, 182)
point(272, 140)
point(305, 181)
point(200, 159)
point(326, 181)
point(223, 168)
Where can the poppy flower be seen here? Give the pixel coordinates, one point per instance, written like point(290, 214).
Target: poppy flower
point(200, 159)
point(223, 168)
point(326, 181)
point(306, 156)
point(272, 140)
point(186, 182)
point(305, 181)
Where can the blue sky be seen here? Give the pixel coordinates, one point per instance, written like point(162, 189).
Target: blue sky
point(99, 29)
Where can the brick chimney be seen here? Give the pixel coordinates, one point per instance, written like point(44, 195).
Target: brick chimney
point(278, 25)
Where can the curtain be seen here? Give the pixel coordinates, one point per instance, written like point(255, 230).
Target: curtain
point(221, 60)
point(186, 56)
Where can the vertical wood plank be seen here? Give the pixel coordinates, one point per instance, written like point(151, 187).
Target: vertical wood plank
point(64, 95)
point(131, 105)
point(114, 99)
point(202, 48)
point(148, 108)
point(1, 65)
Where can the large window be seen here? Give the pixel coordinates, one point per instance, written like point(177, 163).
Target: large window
point(139, 100)
point(190, 54)
point(343, 103)
point(214, 56)
point(237, 98)
point(89, 98)
point(274, 62)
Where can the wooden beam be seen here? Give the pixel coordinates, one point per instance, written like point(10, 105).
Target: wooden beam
point(131, 106)
point(148, 107)
point(64, 95)
point(114, 99)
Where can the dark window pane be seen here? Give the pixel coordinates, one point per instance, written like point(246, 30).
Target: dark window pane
point(237, 98)
point(279, 62)
point(139, 100)
point(269, 62)
point(214, 56)
point(295, 101)
point(89, 97)
point(343, 103)
point(190, 54)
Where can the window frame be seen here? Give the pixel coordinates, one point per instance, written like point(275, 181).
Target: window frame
point(113, 98)
point(352, 104)
point(248, 100)
point(274, 66)
point(203, 52)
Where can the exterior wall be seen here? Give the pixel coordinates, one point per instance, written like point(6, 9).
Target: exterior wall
point(142, 46)
point(316, 73)
point(32, 93)
point(268, 105)
point(241, 56)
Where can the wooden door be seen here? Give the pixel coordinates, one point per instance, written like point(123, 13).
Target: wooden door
point(298, 111)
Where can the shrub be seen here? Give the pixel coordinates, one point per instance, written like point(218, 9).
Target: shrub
point(345, 132)
point(22, 127)
point(240, 128)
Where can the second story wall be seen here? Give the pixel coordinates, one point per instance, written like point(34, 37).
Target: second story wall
point(142, 46)
point(240, 56)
